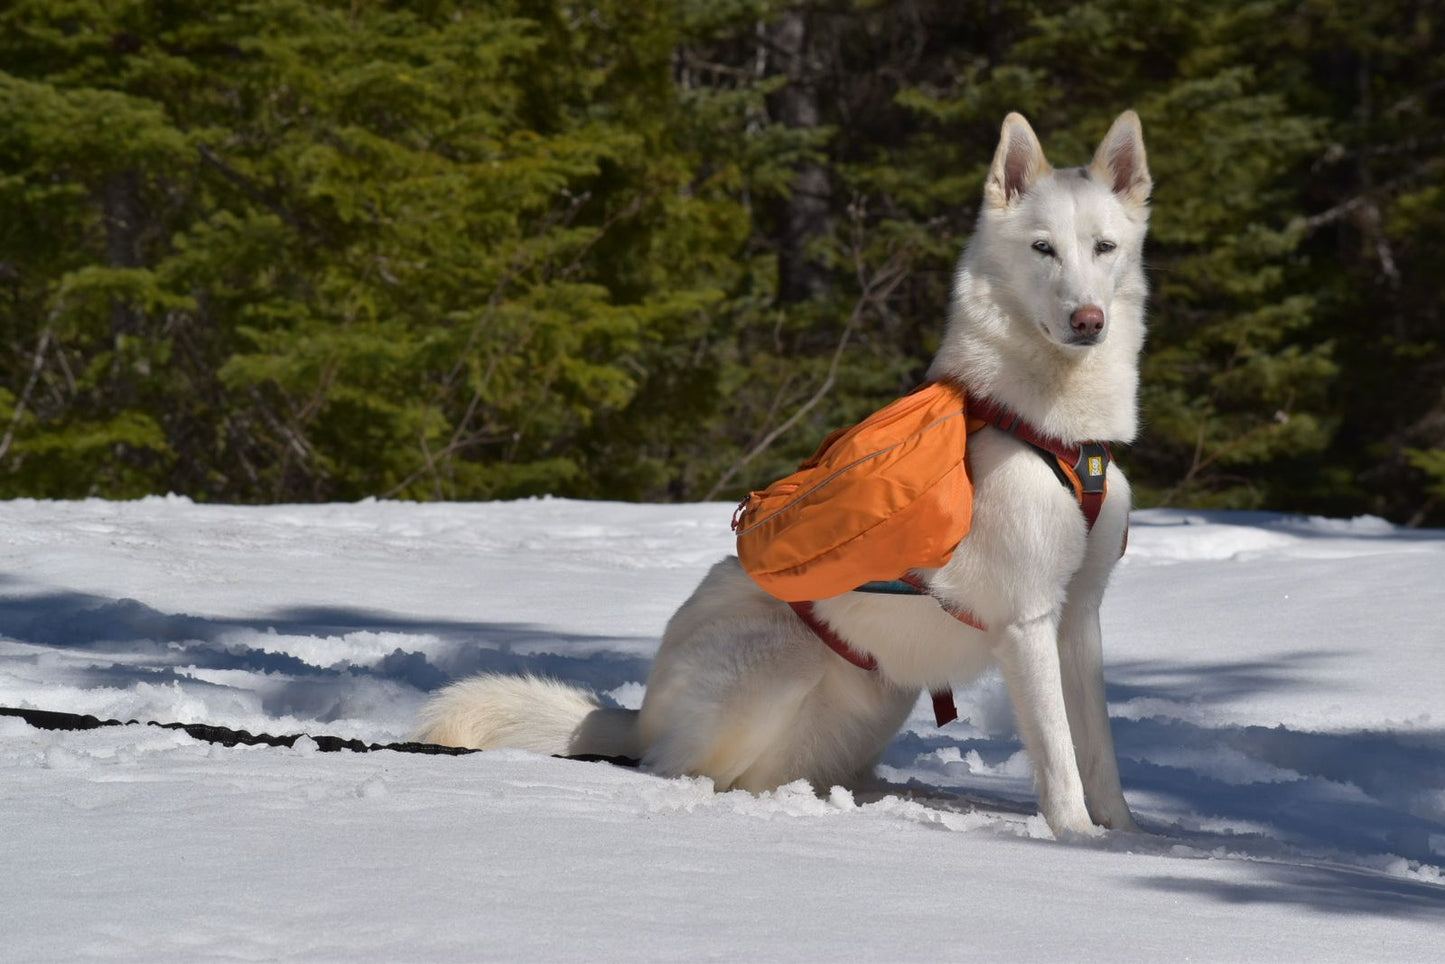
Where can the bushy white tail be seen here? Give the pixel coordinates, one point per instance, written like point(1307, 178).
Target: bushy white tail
point(527, 713)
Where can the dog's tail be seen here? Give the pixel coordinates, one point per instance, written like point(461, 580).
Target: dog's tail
point(527, 713)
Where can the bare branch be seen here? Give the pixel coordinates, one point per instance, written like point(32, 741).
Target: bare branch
point(876, 290)
point(248, 187)
point(1368, 198)
point(36, 364)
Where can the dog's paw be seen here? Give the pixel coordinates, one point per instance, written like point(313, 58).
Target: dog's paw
point(1079, 835)
point(1123, 824)
point(1072, 825)
point(1116, 818)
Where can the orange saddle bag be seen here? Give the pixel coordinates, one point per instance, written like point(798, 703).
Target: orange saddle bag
point(889, 494)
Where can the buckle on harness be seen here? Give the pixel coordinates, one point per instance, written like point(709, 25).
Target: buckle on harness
point(1092, 466)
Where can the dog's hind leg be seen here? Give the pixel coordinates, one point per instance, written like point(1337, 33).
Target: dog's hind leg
point(606, 732)
point(751, 750)
point(1028, 653)
point(726, 692)
point(740, 737)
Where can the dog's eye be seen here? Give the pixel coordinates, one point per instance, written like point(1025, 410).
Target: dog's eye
point(1043, 247)
point(1104, 247)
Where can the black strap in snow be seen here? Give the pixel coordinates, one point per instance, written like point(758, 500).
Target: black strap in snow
point(51, 720)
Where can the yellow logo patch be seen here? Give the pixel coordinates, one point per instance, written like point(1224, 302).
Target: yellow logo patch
point(1096, 465)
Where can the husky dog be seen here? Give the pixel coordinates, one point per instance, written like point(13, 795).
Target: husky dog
point(1047, 320)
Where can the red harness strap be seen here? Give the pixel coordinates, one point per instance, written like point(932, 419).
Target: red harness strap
point(1080, 467)
point(834, 642)
point(944, 709)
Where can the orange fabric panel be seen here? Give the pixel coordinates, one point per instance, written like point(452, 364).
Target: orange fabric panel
point(877, 499)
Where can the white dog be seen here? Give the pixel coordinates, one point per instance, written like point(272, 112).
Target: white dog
point(1046, 320)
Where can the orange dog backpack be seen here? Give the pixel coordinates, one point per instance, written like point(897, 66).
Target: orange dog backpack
point(889, 494)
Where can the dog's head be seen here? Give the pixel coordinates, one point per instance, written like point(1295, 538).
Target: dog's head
point(1064, 247)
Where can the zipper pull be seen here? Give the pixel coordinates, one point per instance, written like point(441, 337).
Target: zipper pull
point(738, 512)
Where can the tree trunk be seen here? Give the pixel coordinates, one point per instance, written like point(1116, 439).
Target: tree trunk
point(122, 213)
point(806, 216)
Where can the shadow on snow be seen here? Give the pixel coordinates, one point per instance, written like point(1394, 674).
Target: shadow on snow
point(1327, 890)
point(1267, 793)
point(1353, 801)
point(134, 642)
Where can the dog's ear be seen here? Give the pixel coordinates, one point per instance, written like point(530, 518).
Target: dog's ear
point(1017, 164)
point(1120, 161)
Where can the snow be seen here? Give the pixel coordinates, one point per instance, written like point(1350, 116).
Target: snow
point(1276, 685)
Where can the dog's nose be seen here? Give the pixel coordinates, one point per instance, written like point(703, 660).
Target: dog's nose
point(1087, 321)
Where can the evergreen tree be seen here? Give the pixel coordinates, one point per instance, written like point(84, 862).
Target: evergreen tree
point(313, 249)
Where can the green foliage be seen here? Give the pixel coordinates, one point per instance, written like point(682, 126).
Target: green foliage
point(383, 249)
point(314, 249)
point(1432, 463)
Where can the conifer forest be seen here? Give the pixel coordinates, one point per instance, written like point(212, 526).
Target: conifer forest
point(309, 250)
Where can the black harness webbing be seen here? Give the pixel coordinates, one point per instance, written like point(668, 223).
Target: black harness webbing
point(51, 720)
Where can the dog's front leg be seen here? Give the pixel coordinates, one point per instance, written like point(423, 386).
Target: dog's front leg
point(1081, 657)
point(1028, 653)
